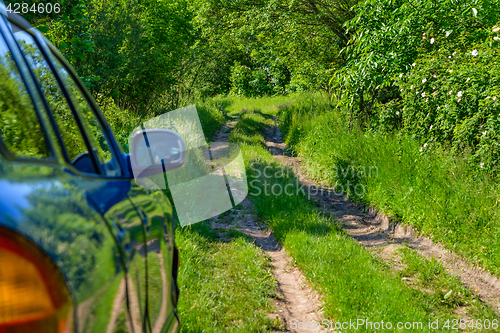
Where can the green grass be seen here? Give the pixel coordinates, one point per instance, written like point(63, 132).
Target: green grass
point(353, 282)
point(212, 117)
point(234, 105)
point(436, 192)
point(225, 286)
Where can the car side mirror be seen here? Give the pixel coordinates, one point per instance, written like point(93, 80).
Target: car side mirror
point(155, 151)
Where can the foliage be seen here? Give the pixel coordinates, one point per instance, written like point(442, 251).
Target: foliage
point(212, 116)
point(389, 36)
point(241, 76)
point(260, 47)
point(128, 50)
point(152, 54)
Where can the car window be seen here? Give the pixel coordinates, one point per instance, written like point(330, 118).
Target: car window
point(91, 124)
point(20, 128)
point(74, 142)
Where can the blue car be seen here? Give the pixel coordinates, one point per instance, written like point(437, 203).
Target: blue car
point(83, 248)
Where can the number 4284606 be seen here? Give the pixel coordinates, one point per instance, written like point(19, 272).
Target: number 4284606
point(40, 8)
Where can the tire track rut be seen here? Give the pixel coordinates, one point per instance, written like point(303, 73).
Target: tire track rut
point(296, 299)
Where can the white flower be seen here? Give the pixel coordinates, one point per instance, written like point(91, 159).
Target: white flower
point(449, 57)
point(430, 127)
point(425, 145)
point(401, 90)
point(484, 133)
point(424, 80)
point(468, 79)
point(423, 94)
point(435, 76)
point(459, 94)
point(414, 64)
point(451, 92)
point(482, 165)
point(474, 53)
point(496, 29)
point(494, 98)
point(420, 149)
point(401, 75)
point(397, 113)
point(432, 40)
point(496, 38)
point(439, 107)
point(411, 87)
point(451, 70)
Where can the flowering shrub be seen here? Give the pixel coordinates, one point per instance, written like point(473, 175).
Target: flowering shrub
point(453, 98)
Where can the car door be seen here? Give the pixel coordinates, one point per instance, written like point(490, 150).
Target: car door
point(156, 218)
point(92, 168)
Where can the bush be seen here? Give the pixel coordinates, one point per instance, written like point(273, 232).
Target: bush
point(261, 81)
point(241, 76)
point(452, 98)
point(387, 37)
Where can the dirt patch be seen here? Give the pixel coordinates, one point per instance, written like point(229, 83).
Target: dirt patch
point(296, 299)
point(391, 255)
point(375, 231)
point(223, 134)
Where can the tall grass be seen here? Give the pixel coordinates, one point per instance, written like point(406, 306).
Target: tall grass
point(432, 190)
point(225, 286)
